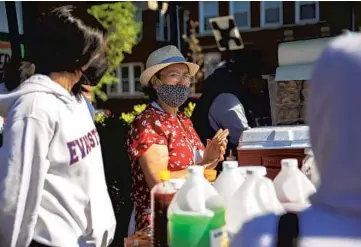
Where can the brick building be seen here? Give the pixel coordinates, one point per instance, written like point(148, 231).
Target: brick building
point(263, 26)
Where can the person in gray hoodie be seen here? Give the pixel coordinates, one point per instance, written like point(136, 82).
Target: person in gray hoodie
point(334, 219)
point(52, 183)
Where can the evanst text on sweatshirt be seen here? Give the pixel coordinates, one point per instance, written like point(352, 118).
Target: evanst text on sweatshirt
point(52, 182)
point(334, 116)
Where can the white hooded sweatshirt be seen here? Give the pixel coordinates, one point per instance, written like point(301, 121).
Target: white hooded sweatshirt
point(334, 116)
point(52, 183)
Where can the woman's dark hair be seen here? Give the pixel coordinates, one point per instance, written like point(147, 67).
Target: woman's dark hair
point(65, 39)
point(149, 90)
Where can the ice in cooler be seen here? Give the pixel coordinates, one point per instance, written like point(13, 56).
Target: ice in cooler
point(196, 216)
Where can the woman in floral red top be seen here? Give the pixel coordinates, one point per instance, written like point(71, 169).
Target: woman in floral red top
point(162, 138)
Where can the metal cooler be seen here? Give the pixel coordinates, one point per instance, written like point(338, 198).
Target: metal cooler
point(267, 146)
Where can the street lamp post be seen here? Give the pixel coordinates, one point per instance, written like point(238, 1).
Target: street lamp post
point(174, 23)
point(13, 30)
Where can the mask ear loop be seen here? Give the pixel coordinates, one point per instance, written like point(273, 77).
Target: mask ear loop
point(77, 88)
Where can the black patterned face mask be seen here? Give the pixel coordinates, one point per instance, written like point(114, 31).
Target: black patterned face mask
point(173, 95)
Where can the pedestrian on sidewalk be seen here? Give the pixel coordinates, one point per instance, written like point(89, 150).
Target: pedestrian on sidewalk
point(53, 190)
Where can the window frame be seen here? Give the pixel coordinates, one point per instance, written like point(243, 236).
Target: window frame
point(131, 80)
point(298, 13)
point(162, 19)
point(263, 15)
point(201, 17)
point(186, 18)
point(232, 11)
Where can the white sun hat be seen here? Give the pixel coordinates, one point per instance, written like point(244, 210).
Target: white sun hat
point(161, 58)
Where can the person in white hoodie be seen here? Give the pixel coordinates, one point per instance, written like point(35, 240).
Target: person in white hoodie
point(334, 219)
point(52, 184)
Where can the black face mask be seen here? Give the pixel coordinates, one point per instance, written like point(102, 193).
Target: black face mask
point(93, 74)
point(95, 71)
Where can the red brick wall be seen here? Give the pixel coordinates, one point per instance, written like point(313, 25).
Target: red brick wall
point(265, 40)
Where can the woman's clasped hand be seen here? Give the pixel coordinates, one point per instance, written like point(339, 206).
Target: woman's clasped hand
point(215, 149)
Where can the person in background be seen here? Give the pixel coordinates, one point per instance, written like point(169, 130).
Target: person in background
point(162, 138)
point(333, 219)
point(16, 72)
point(225, 100)
point(53, 190)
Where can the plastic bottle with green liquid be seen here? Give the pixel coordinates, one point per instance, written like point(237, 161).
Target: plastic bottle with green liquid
point(196, 215)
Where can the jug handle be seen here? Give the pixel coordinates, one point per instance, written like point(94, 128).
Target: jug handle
point(201, 197)
point(270, 192)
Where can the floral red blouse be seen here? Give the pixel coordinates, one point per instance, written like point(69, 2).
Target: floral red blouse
point(154, 126)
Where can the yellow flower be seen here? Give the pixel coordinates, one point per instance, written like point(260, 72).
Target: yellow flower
point(128, 117)
point(100, 117)
point(188, 110)
point(138, 109)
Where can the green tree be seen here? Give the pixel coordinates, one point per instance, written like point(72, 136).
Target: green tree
point(195, 53)
point(119, 19)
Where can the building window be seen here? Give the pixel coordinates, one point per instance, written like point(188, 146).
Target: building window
point(207, 10)
point(139, 19)
point(4, 28)
point(185, 21)
point(271, 13)
point(211, 61)
point(242, 13)
point(129, 80)
point(307, 11)
point(163, 27)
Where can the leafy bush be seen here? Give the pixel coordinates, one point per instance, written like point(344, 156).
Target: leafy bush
point(119, 19)
point(102, 117)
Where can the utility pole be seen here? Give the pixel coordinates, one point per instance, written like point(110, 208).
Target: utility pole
point(14, 36)
point(174, 23)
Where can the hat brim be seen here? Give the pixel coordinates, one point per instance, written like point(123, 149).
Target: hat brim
point(150, 72)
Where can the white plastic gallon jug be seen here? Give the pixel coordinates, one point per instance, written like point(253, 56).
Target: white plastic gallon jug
point(309, 167)
point(260, 169)
point(292, 186)
point(229, 181)
point(255, 197)
point(177, 182)
point(196, 215)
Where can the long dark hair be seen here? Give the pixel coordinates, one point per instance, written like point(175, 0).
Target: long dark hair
point(64, 40)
